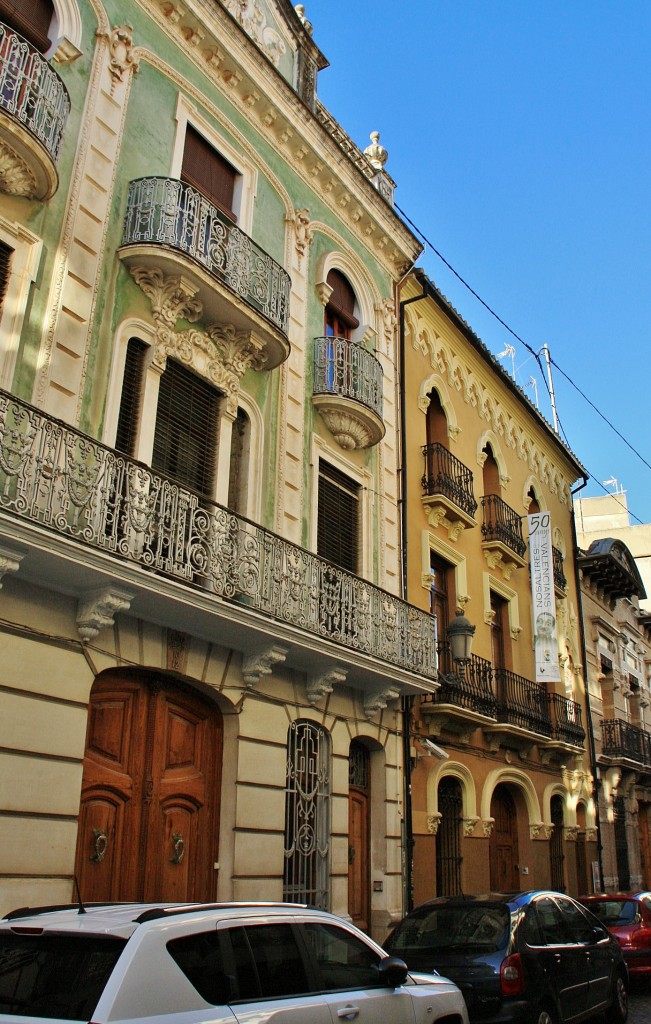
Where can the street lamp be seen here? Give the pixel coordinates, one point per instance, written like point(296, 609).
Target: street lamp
point(459, 634)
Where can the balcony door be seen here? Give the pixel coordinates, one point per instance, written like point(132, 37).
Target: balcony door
point(150, 792)
point(504, 872)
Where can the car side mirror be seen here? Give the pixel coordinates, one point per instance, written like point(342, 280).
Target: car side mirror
point(393, 972)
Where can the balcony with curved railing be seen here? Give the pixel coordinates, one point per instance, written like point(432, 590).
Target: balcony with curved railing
point(501, 532)
point(34, 108)
point(448, 491)
point(171, 227)
point(347, 392)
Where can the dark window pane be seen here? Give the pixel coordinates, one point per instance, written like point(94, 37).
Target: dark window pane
point(475, 928)
point(551, 922)
point(185, 438)
point(201, 960)
point(577, 924)
point(338, 518)
point(278, 962)
point(344, 961)
point(131, 398)
point(55, 975)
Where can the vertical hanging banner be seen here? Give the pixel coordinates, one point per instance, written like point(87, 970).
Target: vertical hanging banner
point(544, 600)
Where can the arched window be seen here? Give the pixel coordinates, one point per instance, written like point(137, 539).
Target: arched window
point(31, 18)
point(534, 505)
point(491, 473)
point(307, 815)
point(437, 423)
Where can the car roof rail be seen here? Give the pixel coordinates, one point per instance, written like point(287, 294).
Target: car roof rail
point(155, 913)
point(55, 908)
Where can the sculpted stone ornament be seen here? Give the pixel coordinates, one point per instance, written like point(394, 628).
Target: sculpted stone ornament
point(375, 153)
point(122, 59)
point(487, 826)
point(16, 178)
point(433, 822)
point(97, 610)
point(172, 298)
point(249, 14)
point(374, 702)
point(10, 560)
point(307, 25)
point(469, 825)
point(304, 234)
point(262, 663)
point(320, 686)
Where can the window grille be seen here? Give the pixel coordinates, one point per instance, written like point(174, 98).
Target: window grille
point(448, 838)
point(556, 845)
point(131, 398)
point(621, 845)
point(307, 816)
point(358, 766)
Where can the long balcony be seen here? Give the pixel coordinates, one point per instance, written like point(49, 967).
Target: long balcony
point(448, 494)
point(625, 744)
point(171, 227)
point(34, 108)
point(502, 539)
point(86, 518)
point(348, 392)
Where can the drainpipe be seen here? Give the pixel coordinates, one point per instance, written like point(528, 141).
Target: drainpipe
point(596, 779)
point(408, 880)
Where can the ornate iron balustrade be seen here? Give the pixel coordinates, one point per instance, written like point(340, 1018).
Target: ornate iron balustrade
point(522, 702)
point(566, 720)
point(31, 91)
point(348, 370)
point(559, 573)
point(445, 474)
point(502, 523)
point(472, 689)
point(164, 211)
point(621, 739)
point(68, 483)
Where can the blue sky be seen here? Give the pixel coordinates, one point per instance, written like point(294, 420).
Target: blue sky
point(519, 136)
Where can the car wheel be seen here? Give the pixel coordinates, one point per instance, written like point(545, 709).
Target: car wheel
point(545, 1017)
point(618, 1011)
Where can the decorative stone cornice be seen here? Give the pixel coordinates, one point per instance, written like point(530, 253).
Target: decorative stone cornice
point(262, 663)
point(97, 610)
point(377, 701)
point(172, 298)
point(250, 15)
point(16, 177)
point(319, 686)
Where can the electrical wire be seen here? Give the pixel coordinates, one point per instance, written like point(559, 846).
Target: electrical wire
point(536, 356)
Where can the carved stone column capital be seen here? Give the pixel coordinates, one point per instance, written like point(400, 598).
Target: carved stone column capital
point(433, 822)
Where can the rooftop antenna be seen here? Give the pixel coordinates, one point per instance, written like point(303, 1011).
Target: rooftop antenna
point(533, 383)
point(552, 396)
point(509, 350)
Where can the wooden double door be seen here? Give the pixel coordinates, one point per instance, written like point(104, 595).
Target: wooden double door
point(150, 792)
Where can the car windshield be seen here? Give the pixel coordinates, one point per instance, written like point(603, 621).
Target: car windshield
point(51, 975)
point(614, 913)
point(471, 928)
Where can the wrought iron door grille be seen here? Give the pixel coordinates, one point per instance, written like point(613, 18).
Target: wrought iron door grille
point(448, 839)
point(307, 816)
point(358, 766)
point(556, 846)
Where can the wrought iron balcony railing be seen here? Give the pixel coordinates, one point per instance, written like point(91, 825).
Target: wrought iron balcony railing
point(502, 524)
point(559, 573)
point(347, 370)
point(472, 689)
point(445, 474)
point(31, 91)
point(567, 722)
point(64, 481)
point(623, 740)
point(522, 702)
point(167, 212)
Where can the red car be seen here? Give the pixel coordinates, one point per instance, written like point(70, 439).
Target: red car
point(627, 916)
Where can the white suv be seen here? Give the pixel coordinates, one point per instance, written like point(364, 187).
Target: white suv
point(245, 963)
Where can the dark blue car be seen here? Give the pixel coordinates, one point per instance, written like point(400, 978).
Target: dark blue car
point(530, 958)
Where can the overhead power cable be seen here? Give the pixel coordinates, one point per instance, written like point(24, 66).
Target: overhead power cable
point(532, 351)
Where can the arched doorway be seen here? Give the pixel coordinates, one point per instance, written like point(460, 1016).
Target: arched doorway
point(581, 858)
point(557, 845)
point(150, 791)
point(359, 791)
point(504, 872)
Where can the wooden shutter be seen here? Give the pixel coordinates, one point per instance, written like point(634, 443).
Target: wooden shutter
point(338, 518)
point(185, 436)
point(341, 303)
point(31, 18)
point(131, 399)
point(5, 270)
point(207, 171)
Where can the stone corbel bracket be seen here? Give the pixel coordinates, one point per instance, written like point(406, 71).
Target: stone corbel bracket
point(10, 559)
point(97, 609)
point(378, 700)
point(319, 686)
point(262, 663)
point(433, 822)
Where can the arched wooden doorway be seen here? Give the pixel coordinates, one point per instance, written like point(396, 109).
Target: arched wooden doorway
point(504, 871)
point(359, 790)
point(150, 792)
